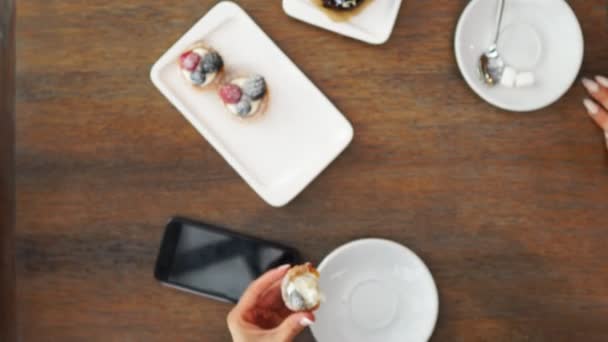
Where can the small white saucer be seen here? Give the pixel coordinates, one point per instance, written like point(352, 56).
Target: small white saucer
point(373, 25)
point(541, 36)
point(375, 290)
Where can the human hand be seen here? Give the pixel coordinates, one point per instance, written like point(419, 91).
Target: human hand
point(261, 315)
point(598, 109)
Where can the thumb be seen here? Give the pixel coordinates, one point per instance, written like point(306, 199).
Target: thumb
point(293, 325)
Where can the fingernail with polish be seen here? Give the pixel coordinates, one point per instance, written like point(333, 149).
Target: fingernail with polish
point(283, 267)
point(590, 85)
point(602, 80)
point(305, 322)
point(592, 108)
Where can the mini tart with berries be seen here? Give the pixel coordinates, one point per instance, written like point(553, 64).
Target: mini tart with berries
point(200, 65)
point(341, 5)
point(245, 96)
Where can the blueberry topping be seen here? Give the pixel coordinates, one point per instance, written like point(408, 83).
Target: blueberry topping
point(255, 87)
point(198, 77)
point(212, 62)
point(342, 4)
point(296, 300)
point(243, 108)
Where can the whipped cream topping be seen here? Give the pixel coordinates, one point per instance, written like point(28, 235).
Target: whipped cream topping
point(300, 289)
point(307, 287)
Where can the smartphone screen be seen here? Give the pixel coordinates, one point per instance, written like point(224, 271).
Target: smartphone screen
point(213, 261)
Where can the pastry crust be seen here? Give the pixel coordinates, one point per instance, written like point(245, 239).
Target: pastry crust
point(299, 270)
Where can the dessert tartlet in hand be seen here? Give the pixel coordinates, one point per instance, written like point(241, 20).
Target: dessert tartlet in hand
point(201, 65)
point(244, 96)
point(341, 4)
point(300, 288)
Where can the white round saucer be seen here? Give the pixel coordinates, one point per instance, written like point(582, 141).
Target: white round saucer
point(541, 36)
point(375, 290)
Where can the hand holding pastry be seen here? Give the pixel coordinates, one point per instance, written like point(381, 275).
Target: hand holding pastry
point(261, 315)
point(598, 109)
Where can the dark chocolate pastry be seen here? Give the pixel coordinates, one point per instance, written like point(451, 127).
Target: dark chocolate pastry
point(341, 4)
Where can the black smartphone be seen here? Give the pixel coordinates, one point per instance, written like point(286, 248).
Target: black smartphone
point(215, 262)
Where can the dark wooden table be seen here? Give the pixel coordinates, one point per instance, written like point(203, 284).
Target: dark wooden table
point(510, 211)
point(8, 326)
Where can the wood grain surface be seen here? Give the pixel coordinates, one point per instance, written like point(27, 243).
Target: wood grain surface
point(8, 307)
point(508, 210)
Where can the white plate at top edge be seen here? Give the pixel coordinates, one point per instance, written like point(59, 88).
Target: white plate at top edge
point(373, 25)
point(301, 132)
point(375, 290)
point(541, 36)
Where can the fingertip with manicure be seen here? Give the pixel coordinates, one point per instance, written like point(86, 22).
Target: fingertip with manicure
point(283, 267)
point(306, 322)
point(590, 85)
point(591, 106)
point(602, 80)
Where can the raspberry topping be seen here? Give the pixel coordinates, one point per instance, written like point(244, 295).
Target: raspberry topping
point(230, 93)
point(189, 60)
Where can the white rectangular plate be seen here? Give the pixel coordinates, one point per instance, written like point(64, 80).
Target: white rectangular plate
point(373, 25)
point(301, 132)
